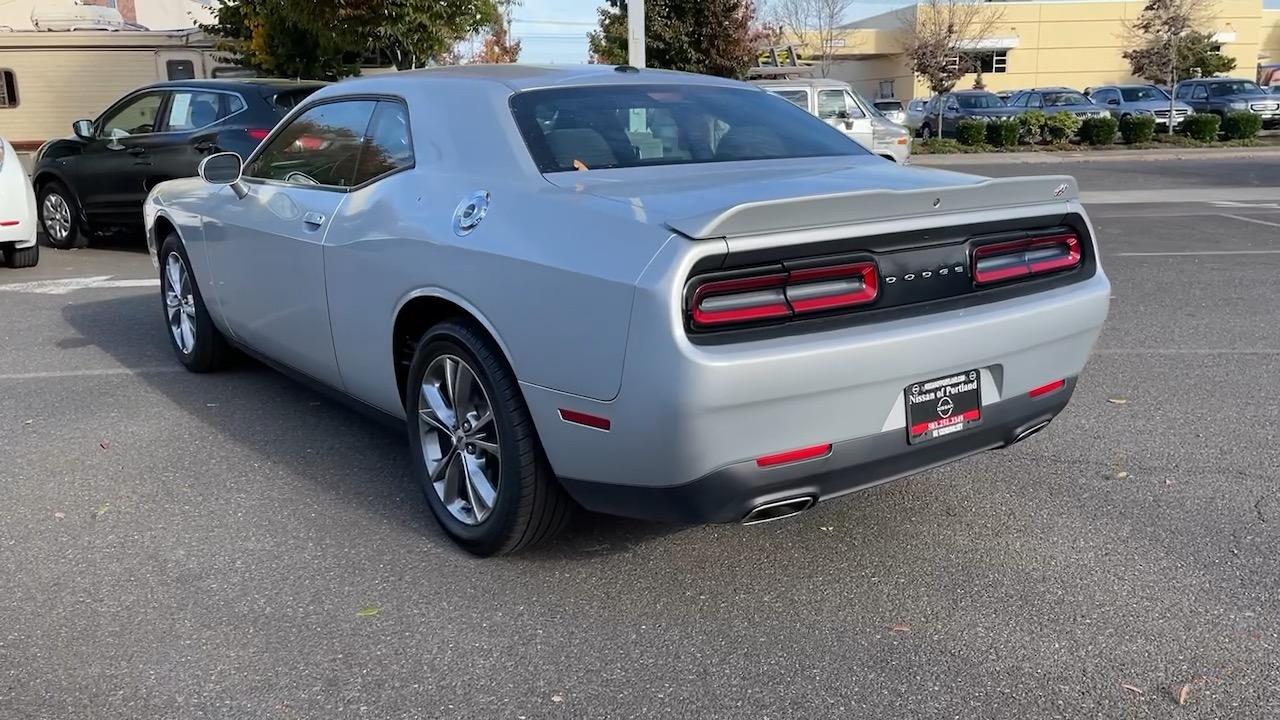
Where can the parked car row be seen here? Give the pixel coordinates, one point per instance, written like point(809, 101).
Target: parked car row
point(939, 115)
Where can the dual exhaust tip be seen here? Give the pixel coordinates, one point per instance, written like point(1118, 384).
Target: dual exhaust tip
point(790, 507)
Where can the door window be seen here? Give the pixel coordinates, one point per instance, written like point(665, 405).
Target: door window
point(321, 146)
point(831, 103)
point(192, 110)
point(389, 145)
point(1200, 93)
point(854, 107)
point(135, 116)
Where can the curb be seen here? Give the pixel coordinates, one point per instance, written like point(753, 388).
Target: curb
point(1045, 157)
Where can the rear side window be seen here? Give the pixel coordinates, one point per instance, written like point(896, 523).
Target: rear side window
point(799, 98)
point(619, 126)
point(289, 99)
point(192, 110)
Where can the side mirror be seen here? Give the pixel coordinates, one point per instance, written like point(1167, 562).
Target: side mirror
point(224, 168)
point(83, 129)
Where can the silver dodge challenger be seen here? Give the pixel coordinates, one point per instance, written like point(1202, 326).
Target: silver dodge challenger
point(651, 294)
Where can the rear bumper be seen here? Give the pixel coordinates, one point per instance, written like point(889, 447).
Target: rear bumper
point(728, 494)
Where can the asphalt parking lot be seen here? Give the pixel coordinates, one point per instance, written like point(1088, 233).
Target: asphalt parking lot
point(233, 546)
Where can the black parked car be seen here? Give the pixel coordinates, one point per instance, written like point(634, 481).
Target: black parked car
point(99, 178)
point(1223, 96)
point(961, 105)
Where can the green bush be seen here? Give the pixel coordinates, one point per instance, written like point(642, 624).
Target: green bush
point(1032, 122)
point(937, 146)
point(1099, 131)
point(1241, 125)
point(1003, 133)
point(971, 132)
point(1202, 126)
point(1136, 129)
point(1061, 126)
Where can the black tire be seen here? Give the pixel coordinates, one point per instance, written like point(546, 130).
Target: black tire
point(209, 351)
point(926, 132)
point(24, 258)
point(530, 507)
point(77, 236)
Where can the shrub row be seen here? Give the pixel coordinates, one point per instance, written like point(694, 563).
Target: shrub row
point(1134, 129)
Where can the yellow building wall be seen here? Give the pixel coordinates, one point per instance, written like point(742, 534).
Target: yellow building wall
point(1269, 44)
point(1072, 44)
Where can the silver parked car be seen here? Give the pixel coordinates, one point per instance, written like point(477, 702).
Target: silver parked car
point(836, 103)
point(751, 315)
point(1125, 100)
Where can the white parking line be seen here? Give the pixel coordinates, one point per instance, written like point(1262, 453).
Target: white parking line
point(66, 285)
point(1249, 219)
point(103, 372)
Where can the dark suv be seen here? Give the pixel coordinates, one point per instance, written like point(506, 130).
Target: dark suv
point(1223, 96)
point(99, 178)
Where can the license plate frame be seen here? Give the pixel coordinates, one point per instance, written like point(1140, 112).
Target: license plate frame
point(943, 406)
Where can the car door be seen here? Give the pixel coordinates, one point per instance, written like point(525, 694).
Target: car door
point(109, 177)
point(265, 250)
point(837, 108)
point(188, 132)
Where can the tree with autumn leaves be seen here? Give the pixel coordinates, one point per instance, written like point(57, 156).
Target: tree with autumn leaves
point(326, 39)
point(713, 37)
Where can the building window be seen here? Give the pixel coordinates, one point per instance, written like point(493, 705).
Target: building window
point(995, 61)
point(8, 89)
point(886, 88)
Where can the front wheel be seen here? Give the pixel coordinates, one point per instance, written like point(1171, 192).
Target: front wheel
point(926, 132)
point(197, 342)
point(475, 451)
point(60, 217)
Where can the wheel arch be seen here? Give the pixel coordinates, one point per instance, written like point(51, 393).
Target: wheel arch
point(160, 229)
point(422, 309)
point(44, 176)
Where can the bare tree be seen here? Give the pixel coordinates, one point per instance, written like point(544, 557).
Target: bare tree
point(803, 21)
point(937, 38)
point(1170, 41)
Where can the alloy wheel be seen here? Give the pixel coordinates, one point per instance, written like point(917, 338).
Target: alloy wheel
point(56, 215)
point(459, 439)
point(180, 304)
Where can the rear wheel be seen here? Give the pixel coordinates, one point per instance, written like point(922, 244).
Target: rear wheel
point(60, 217)
point(197, 342)
point(475, 451)
point(24, 258)
point(926, 132)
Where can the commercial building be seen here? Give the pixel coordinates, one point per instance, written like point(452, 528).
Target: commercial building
point(1037, 43)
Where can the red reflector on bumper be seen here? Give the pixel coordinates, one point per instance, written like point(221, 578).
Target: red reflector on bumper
point(581, 418)
point(1046, 389)
point(8, 223)
point(792, 456)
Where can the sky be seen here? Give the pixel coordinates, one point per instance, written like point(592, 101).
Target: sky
point(555, 31)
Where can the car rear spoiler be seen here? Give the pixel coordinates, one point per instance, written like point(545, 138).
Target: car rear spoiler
point(861, 206)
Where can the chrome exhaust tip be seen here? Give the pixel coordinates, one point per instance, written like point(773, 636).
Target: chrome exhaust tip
point(1029, 432)
point(778, 510)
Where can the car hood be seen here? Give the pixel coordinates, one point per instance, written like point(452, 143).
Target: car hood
point(991, 112)
point(1157, 105)
point(715, 200)
point(1248, 97)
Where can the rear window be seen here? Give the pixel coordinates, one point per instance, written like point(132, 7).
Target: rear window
point(619, 126)
point(888, 105)
point(289, 99)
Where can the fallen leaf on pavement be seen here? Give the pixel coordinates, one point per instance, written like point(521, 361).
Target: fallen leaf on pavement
point(59, 515)
point(368, 611)
point(1126, 686)
point(100, 511)
point(1182, 694)
point(1122, 474)
point(1117, 400)
point(900, 628)
point(105, 444)
point(826, 529)
point(556, 698)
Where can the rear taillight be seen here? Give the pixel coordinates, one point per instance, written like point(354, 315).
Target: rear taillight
point(258, 135)
point(779, 294)
point(1003, 261)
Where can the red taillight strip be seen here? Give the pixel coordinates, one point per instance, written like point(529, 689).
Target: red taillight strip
point(581, 418)
point(8, 223)
point(793, 456)
point(1046, 389)
point(783, 294)
point(1023, 258)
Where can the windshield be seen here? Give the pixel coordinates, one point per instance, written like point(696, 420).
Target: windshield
point(1240, 87)
point(975, 101)
point(1053, 99)
point(1140, 94)
point(619, 126)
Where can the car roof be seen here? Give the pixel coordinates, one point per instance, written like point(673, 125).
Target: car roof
point(528, 76)
point(799, 82)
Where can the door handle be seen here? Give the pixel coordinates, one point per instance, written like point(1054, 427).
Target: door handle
point(137, 151)
point(204, 145)
point(313, 219)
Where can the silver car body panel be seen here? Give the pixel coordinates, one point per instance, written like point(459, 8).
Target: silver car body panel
point(579, 278)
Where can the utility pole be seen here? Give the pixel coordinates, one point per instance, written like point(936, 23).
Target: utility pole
point(635, 33)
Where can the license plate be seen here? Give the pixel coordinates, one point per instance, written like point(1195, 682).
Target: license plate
point(943, 406)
